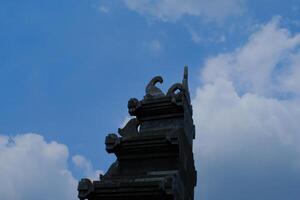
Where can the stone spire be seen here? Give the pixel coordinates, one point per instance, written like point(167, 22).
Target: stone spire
point(153, 150)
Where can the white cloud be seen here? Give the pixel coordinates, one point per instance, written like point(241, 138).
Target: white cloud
point(87, 167)
point(172, 10)
point(31, 168)
point(248, 131)
point(258, 66)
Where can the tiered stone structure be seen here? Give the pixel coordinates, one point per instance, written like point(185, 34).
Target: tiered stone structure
point(154, 150)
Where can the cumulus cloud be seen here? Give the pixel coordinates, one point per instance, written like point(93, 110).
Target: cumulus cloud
point(31, 168)
point(266, 65)
point(247, 115)
point(87, 167)
point(172, 10)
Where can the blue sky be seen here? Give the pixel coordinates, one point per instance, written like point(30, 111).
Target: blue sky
point(68, 68)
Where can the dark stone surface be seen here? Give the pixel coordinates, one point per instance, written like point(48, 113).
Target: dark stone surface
point(154, 150)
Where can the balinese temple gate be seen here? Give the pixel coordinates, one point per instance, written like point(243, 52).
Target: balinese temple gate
point(154, 150)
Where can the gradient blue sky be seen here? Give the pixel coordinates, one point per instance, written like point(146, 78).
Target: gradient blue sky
point(68, 68)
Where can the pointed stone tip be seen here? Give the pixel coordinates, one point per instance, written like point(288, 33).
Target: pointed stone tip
point(185, 74)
